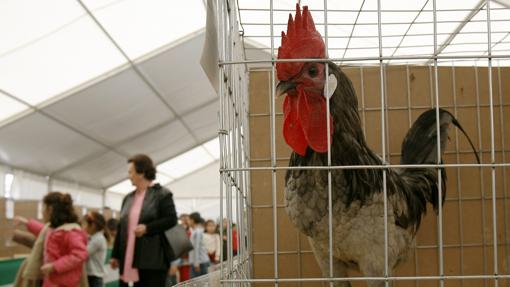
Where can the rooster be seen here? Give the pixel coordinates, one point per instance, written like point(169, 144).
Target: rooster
point(357, 194)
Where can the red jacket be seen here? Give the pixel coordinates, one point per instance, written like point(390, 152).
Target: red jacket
point(234, 240)
point(66, 248)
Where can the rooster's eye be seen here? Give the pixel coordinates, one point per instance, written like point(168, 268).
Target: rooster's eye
point(312, 71)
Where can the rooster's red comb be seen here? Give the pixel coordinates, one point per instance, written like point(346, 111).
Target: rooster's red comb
point(302, 41)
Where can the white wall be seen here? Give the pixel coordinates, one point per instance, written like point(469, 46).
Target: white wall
point(199, 191)
point(202, 183)
point(82, 196)
point(29, 186)
point(3, 170)
point(208, 208)
point(113, 200)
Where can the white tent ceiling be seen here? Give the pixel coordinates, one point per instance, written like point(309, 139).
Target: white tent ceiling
point(86, 84)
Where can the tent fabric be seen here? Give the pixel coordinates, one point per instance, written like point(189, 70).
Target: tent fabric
point(86, 136)
point(84, 85)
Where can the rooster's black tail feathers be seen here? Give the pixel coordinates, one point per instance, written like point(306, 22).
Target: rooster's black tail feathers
point(420, 147)
point(420, 143)
point(457, 124)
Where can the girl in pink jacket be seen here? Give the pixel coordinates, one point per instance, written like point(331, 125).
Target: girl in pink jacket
point(65, 244)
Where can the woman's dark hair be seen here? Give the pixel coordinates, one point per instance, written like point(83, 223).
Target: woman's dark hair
point(195, 216)
point(111, 225)
point(62, 210)
point(97, 219)
point(144, 165)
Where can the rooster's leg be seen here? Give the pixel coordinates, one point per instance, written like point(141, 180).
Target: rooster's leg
point(322, 256)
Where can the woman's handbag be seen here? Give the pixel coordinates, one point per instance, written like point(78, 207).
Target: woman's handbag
point(179, 240)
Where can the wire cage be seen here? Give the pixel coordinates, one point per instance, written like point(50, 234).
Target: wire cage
point(402, 59)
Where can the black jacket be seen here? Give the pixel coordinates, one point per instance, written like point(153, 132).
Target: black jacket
point(152, 251)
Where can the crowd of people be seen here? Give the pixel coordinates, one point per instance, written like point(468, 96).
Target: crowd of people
point(71, 251)
point(207, 246)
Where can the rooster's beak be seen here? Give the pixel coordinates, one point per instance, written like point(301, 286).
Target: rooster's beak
point(283, 87)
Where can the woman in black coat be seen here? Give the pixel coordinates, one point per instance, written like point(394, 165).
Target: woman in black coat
point(141, 251)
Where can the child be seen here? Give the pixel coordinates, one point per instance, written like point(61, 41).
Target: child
point(111, 227)
point(64, 250)
point(198, 256)
point(94, 224)
point(212, 241)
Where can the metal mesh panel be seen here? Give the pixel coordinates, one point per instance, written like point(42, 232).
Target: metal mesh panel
point(467, 243)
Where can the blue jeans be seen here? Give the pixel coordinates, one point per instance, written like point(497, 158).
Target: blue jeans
point(202, 271)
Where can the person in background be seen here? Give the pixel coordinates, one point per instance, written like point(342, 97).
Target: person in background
point(212, 241)
point(62, 244)
point(183, 264)
point(225, 241)
point(198, 258)
point(94, 224)
point(179, 269)
point(111, 227)
point(235, 239)
point(141, 250)
point(184, 220)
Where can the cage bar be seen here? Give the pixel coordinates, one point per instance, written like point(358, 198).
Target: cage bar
point(236, 170)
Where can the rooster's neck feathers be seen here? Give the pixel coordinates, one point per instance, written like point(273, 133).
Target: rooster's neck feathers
point(348, 146)
point(347, 124)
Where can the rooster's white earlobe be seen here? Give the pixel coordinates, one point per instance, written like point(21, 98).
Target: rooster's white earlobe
point(331, 87)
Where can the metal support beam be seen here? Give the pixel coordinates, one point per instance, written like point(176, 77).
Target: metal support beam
point(479, 6)
point(505, 3)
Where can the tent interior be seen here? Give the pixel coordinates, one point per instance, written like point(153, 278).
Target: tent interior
point(86, 84)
